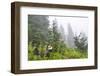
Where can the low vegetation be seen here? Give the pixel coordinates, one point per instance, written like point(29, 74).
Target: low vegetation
point(46, 42)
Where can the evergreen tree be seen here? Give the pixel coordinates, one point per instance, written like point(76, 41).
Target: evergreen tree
point(37, 29)
point(81, 41)
point(56, 35)
point(62, 33)
point(70, 37)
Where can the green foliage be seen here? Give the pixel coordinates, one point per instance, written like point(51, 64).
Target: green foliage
point(63, 53)
point(81, 41)
point(40, 36)
point(37, 29)
point(74, 53)
point(56, 36)
point(55, 55)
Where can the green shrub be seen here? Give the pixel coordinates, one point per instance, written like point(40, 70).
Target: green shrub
point(62, 52)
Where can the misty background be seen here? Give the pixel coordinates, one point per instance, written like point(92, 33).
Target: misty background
point(69, 27)
point(57, 37)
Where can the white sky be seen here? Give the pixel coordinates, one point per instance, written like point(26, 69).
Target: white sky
point(78, 24)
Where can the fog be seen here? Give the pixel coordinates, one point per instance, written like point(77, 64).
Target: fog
point(78, 24)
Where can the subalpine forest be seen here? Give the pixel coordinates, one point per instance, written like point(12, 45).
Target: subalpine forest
point(49, 42)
